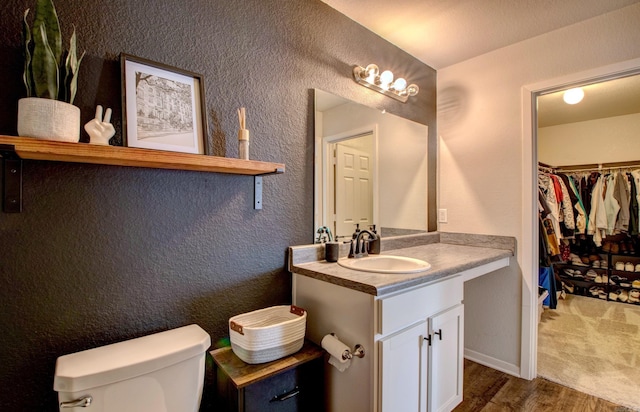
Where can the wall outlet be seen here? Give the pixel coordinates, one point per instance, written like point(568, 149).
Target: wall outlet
point(442, 215)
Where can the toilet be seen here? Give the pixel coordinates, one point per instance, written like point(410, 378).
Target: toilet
point(163, 372)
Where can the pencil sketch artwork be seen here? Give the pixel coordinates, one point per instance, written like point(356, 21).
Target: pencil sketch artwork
point(164, 110)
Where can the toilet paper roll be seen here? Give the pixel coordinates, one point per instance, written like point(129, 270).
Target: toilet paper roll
point(336, 349)
point(339, 365)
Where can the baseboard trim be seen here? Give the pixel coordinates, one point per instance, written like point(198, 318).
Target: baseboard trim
point(493, 363)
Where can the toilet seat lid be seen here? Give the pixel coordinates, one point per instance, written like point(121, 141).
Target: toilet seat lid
point(125, 360)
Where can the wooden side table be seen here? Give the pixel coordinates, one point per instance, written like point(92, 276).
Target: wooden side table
point(291, 384)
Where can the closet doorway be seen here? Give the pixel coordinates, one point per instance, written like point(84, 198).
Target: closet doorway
point(586, 338)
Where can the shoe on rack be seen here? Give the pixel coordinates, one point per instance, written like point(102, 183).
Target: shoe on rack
point(623, 296)
point(567, 287)
point(634, 296)
point(568, 272)
point(617, 279)
point(606, 247)
point(596, 264)
point(636, 284)
point(605, 278)
point(629, 267)
point(598, 279)
point(623, 248)
point(619, 265)
point(615, 248)
point(577, 262)
point(602, 294)
point(638, 267)
point(594, 290)
point(613, 295)
point(591, 274)
point(604, 264)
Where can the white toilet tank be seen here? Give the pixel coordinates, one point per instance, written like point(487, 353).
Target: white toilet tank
point(163, 372)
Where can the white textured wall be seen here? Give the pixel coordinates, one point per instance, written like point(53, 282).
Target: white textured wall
point(612, 139)
point(480, 151)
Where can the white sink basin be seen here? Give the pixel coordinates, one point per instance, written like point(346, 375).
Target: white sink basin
point(385, 264)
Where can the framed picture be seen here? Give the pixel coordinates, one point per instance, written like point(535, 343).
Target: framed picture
point(162, 107)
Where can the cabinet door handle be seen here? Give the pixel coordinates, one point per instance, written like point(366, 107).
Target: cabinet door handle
point(439, 333)
point(281, 398)
point(428, 339)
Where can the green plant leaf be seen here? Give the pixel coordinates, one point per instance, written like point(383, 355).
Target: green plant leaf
point(26, 37)
point(46, 14)
point(72, 68)
point(44, 67)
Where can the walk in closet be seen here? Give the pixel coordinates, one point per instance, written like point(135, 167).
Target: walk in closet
point(589, 245)
point(589, 230)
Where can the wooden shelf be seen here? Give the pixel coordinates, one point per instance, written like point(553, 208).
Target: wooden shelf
point(37, 149)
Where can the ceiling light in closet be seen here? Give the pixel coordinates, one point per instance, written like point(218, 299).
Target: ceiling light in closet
point(371, 77)
point(573, 96)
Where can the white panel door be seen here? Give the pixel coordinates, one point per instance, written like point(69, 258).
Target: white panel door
point(446, 359)
point(353, 190)
point(404, 365)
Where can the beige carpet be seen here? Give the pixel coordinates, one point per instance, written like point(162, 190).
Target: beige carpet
point(593, 346)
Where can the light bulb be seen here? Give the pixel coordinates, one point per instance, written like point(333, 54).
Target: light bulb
point(400, 84)
point(412, 90)
point(386, 78)
point(370, 73)
point(573, 96)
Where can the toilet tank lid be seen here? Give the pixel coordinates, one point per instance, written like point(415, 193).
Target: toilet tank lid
point(125, 360)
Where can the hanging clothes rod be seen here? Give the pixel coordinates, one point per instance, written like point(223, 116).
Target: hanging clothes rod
point(590, 167)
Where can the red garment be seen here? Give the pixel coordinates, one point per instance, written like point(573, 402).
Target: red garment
point(558, 189)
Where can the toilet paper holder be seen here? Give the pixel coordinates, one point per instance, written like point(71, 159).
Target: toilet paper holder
point(358, 351)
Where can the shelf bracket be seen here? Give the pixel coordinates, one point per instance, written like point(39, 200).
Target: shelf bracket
point(257, 187)
point(11, 179)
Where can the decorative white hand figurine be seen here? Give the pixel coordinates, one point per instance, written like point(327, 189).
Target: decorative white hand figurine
point(100, 130)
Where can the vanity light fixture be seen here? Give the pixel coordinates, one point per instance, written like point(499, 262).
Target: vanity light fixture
point(371, 77)
point(573, 96)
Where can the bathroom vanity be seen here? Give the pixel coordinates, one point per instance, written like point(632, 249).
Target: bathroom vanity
point(411, 325)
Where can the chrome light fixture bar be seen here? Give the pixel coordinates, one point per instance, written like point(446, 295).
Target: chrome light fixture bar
point(384, 83)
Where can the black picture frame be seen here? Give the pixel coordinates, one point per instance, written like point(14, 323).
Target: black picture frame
point(163, 107)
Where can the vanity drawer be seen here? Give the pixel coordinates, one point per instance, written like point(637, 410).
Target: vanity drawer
point(404, 309)
point(291, 384)
point(290, 391)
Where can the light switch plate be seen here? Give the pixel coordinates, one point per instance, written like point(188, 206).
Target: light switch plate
point(442, 215)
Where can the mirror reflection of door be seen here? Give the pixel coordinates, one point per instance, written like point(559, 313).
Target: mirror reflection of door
point(353, 192)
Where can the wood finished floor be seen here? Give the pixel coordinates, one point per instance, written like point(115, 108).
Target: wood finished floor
point(487, 390)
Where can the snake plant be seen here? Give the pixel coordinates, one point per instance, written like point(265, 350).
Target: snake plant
point(50, 72)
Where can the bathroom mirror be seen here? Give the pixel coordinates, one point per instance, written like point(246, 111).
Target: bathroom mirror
point(370, 169)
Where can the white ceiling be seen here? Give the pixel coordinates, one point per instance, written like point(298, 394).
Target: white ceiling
point(441, 33)
point(616, 97)
point(444, 32)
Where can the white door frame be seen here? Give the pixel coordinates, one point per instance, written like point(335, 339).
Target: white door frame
point(529, 250)
point(325, 144)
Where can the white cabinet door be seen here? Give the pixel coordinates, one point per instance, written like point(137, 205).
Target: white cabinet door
point(404, 364)
point(446, 359)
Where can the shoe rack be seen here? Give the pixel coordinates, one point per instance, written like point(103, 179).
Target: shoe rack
point(611, 272)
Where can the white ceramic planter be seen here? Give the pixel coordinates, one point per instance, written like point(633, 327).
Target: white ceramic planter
point(48, 119)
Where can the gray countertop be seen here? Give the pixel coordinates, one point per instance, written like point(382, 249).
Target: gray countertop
point(448, 254)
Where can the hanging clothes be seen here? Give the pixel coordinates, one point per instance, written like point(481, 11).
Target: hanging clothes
point(621, 195)
point(598, 216)
point(611, 205)
point(634, 217)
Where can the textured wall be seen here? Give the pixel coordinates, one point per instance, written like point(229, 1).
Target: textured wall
point(102, 254)
point(481, 158)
